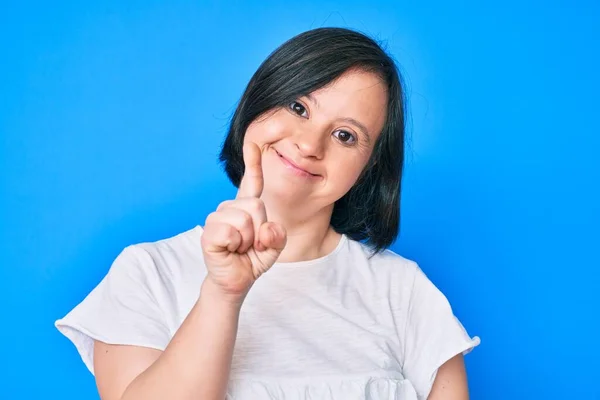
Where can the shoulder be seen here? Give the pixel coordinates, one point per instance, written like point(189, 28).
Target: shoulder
point(142, 298)
point(185, 243)
point(171, 255)
point(168, 270)
point(387, 275)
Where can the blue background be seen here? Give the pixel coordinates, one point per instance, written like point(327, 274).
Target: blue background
point(111, 117)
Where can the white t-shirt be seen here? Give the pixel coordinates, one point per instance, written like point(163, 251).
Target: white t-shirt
point(342, 326)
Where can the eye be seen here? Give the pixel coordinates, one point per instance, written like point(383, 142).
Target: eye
point(298, 108)
point(345, 137)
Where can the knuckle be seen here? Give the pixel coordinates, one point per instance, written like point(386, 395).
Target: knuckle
point(247, 220)
point(223, 205)
point(228, 230)
point(256, 204)
point(210, 218)
point(224, 233)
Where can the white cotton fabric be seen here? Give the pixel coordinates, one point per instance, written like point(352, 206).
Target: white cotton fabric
point(339, 327)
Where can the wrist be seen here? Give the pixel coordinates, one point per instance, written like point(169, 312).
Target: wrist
point(212, 293)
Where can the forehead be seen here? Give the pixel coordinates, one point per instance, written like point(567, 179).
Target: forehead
point(354, 81)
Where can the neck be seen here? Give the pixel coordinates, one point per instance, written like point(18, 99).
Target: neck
point(309, 233)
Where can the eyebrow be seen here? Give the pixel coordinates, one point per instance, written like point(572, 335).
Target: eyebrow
point(360, 126)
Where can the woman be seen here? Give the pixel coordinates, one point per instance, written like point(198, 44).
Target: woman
point(316, 150)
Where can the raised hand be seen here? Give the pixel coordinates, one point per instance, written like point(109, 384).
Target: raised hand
point(238, 242)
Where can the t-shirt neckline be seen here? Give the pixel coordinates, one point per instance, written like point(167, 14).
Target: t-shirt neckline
point(316, 261)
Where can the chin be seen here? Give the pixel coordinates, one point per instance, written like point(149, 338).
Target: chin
point(284, 191)
point(281, 186)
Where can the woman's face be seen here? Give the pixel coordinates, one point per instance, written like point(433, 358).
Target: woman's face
point(314, 150)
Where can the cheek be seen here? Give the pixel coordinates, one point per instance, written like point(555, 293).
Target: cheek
point(267, 130)
point(345, 173)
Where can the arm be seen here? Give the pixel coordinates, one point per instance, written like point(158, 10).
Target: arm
point(451, 381)
point(238, 246)
point(195, 364)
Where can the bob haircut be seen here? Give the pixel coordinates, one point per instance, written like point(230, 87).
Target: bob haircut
point(370, 210)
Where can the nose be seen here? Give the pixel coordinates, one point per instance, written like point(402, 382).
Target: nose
point(310, 143)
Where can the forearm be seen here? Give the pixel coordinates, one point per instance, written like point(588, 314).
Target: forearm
point(197, 362)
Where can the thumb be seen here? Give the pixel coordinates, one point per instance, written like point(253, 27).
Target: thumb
point(272, 236)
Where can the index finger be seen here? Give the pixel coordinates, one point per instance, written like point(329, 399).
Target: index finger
point(252, 181)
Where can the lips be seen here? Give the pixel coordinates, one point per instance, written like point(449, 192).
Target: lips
point(294, 165)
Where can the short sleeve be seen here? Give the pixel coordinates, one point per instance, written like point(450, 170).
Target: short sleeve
point(433, 335)
point(121, 309)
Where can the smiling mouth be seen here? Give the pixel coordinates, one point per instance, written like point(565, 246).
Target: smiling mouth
point(291, 164)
